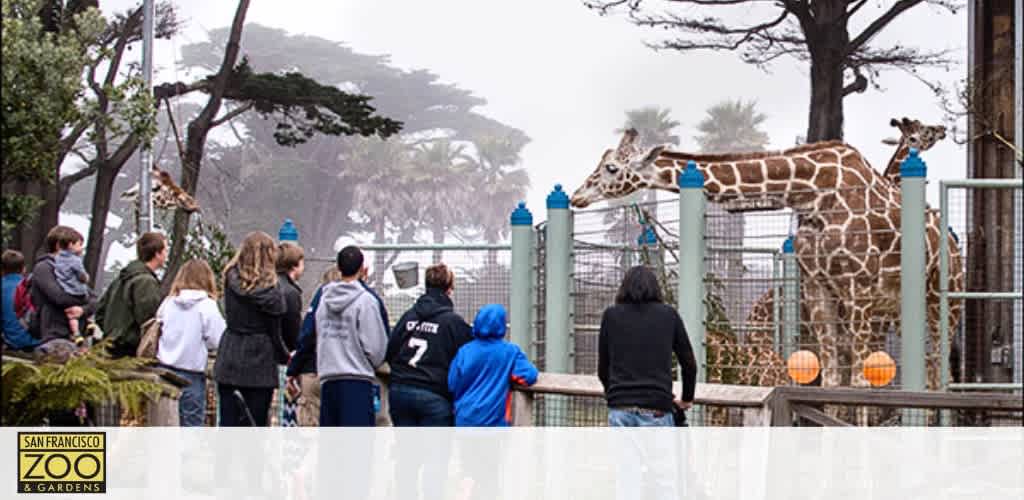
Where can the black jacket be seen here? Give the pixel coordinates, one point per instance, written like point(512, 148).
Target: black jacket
point(50, 300)
point(251, 347)
point(635, 347)
point(291, 322)
point(431, 319)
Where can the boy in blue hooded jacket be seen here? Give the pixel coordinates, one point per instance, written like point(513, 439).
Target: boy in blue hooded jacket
point(480, 374)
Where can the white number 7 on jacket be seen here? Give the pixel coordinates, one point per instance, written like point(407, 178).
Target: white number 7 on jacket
point(421, 347)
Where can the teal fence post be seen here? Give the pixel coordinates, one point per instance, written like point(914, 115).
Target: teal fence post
point(556, 285)
point(648, 242)
point(520, 302)
point(691, 261)
point(288, 232)
point(790, 299)
point(557, 328)
point(912, 275)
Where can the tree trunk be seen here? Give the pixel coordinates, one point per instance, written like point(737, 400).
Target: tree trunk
point(491, 237)
point(825, 119)
point(196, 141)
point(379, 259)
point(828, 40)
point(28, 237)
point(438, 230)
point(105, 177)
point(988, 325)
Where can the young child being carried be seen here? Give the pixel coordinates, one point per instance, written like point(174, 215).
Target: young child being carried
point(482, 370)
point(71, 275)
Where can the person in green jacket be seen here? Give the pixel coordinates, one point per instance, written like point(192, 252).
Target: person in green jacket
point(133, 297)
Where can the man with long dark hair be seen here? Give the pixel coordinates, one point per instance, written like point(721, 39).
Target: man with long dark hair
point(637, 338)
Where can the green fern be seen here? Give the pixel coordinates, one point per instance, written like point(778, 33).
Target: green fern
point(34, 389)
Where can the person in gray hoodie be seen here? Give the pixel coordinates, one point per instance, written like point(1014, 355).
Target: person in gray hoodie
point(351, 343)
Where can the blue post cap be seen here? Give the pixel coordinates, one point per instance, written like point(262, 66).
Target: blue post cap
point(521, 216)
point(288, 232)
point(647, 237)
point(913, 166)
point(691, 177)
point(558, 198)
point(787, 246)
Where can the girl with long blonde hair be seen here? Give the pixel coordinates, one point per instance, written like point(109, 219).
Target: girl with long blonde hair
point(251, 348)
point(191, 326)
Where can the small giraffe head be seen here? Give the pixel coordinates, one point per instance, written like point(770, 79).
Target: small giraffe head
point(621, 172)
point(167, 195)
point(915, 134)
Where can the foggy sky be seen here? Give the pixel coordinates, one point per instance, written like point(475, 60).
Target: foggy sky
point(566, 76)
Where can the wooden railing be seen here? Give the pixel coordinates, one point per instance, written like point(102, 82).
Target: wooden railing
point(774, 406)
point(754, 402)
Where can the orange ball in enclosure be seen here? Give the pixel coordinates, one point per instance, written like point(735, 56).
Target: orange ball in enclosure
point(803, 366)
point(879, 368)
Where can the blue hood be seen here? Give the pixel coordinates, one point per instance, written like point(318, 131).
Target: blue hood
point(490, 322)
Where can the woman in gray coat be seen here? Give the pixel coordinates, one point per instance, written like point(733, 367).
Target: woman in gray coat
point(251, 348)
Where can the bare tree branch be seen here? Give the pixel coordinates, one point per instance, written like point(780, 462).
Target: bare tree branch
point(877, 25)
point(231, 114)
point(71, 179)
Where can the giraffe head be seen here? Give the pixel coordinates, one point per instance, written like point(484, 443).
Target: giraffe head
point(621, 172)
point(914, 134)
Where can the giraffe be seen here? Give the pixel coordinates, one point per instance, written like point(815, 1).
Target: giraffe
point(913, 134)
point(167, 195)
point(847, 243)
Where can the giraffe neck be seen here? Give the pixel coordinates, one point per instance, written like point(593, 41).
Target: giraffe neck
point(795, 178)
point(892, 170)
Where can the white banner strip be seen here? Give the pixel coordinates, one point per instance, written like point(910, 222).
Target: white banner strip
point(528, 463)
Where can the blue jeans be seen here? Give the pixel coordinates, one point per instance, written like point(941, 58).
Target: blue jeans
point(346, 403)
point(413, 406)
point(625, 418)
point(192, 405)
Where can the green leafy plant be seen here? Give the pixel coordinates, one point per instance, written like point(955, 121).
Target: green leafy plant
point(33, 389)
point(209, 242)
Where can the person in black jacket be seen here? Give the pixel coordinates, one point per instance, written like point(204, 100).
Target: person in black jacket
point(637, 338)
point(421, 348)
point(251, 348)
point(291, 263)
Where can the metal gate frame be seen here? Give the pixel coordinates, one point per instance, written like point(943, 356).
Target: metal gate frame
point(945, 294)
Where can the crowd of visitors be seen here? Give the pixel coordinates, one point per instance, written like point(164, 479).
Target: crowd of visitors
point(441, 370)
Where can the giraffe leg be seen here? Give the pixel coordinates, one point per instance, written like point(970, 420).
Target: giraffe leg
point(863, 342)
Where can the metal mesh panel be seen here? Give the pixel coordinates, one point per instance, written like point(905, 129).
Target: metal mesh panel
point(539, 359)
point(481, 277)
point(988, 341)
point(553, 410)
point(920, 417)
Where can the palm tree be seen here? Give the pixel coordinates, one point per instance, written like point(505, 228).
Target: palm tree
point(439, 187)
point(498, 179)
point(383, 193)
point(732, 127)
point(653, 124)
